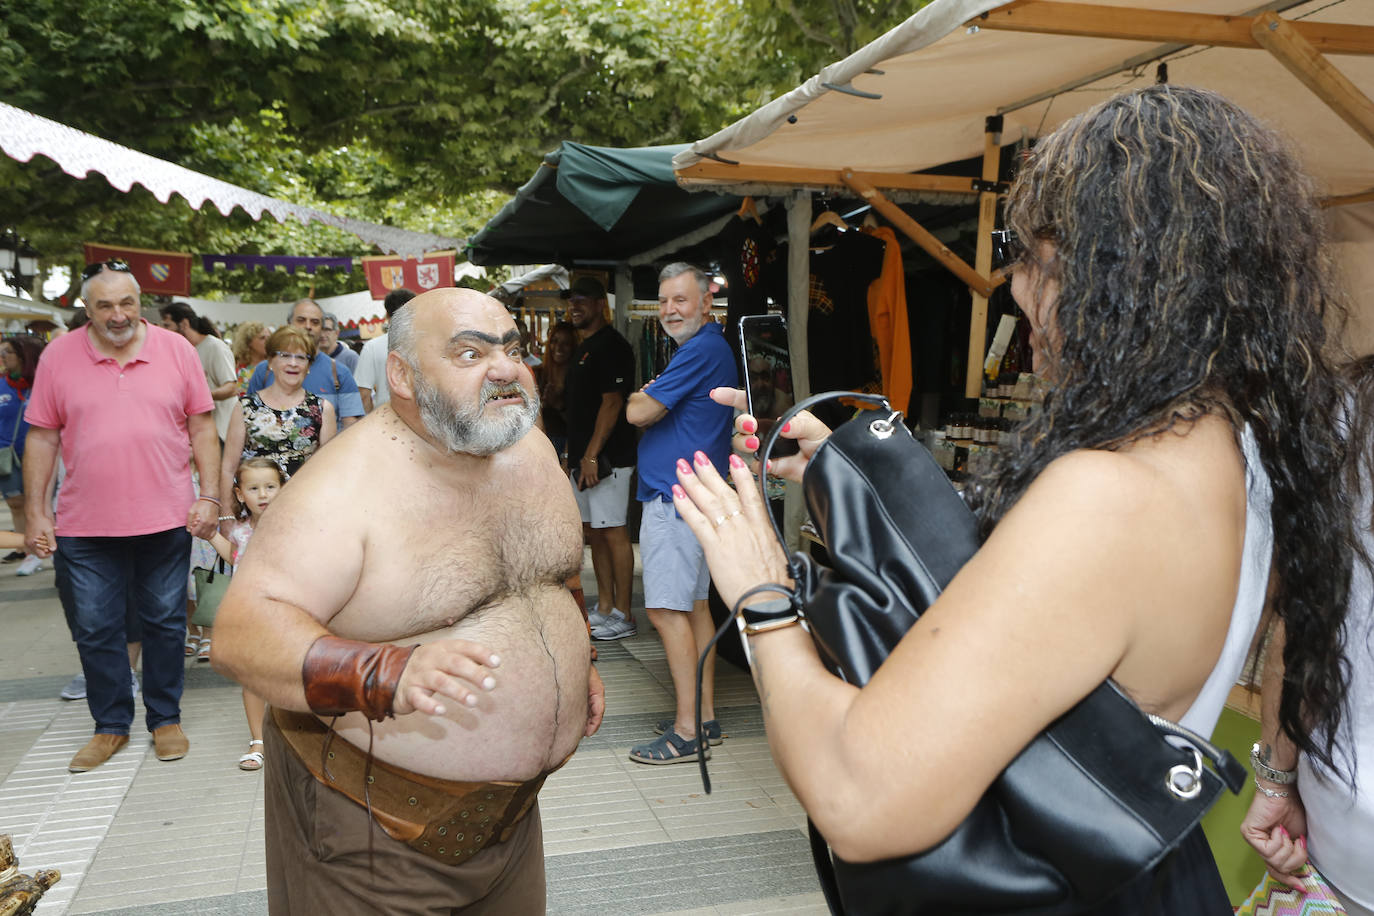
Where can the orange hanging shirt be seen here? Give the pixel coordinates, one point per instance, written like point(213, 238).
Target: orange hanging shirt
point(887, 321)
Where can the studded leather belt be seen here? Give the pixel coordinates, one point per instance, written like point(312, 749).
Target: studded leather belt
point(444, 819)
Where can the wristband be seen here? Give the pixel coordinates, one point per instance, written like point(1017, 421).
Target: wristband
point(1272, 793)
point(227, 518)
point(344, 675)
point(1265, 771)
point(208, 499)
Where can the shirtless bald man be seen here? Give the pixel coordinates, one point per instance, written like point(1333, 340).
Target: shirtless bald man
point(461, 535)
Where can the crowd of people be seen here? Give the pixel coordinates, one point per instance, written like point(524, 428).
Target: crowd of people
point(1199, 476)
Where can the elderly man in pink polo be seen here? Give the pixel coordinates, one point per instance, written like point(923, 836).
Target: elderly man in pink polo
point(127, 404)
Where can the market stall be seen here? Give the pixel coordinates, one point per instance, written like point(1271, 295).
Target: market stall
point(964, 78)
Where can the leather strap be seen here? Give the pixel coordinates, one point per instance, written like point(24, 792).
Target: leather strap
point(344, 675)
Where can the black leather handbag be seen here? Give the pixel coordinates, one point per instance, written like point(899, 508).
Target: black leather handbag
point(1097, 799)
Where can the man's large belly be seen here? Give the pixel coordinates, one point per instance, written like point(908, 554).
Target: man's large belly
point(529, 724)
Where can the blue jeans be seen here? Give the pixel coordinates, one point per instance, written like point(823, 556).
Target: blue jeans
point(97, 579)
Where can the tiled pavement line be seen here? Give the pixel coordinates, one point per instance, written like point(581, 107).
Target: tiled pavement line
point(59, 819)
point(747, 874)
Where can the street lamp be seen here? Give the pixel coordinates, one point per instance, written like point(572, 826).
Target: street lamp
point(18, 260)
point(27, 267)
point(9, 250)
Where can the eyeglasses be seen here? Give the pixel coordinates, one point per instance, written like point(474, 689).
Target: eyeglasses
point(119, 264)
point(1006, 249)
point(292, 357)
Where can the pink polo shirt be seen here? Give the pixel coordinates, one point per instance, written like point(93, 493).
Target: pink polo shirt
point(123, 432)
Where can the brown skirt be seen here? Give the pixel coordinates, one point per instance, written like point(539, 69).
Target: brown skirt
point(318, 858)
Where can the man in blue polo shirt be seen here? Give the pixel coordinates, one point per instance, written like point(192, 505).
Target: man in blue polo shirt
point(327, 378)
point(679, 419)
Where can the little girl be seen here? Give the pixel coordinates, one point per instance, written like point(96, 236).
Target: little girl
point(255, 485)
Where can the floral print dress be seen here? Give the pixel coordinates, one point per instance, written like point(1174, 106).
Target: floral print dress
point(287, 436)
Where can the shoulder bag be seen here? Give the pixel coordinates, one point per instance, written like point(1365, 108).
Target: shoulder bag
point(211, 584)
point(1097, 799)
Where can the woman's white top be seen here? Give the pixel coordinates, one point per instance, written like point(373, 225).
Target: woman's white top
point(1202, 716)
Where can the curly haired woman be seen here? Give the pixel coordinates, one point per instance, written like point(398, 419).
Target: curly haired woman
point(1186, 465)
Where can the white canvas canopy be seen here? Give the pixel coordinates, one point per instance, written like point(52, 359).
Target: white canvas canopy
point(926, 88)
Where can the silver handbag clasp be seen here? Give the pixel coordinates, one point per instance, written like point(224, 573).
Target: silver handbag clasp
point(885, 427)
point(1185, 782)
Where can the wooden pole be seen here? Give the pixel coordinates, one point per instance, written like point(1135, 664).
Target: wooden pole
point(982, 261)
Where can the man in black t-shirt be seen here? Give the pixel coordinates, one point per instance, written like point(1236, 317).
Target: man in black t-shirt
point(601, 453)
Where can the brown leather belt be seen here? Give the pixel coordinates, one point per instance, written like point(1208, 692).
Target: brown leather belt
point(446, 820)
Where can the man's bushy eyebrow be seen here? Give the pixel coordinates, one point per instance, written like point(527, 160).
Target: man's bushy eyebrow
point(481, 336)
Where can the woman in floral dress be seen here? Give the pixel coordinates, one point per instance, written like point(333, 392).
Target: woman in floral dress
point(283, 421)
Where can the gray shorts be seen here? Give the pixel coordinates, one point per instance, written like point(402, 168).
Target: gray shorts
point(675, 571)
point(607, 504)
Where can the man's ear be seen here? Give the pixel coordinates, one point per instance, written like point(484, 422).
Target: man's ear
point(400, 377)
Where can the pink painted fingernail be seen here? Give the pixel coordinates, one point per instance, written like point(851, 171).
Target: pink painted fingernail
point(787, 426)
point(702, 460)
point(752, 443)
point(1283, 831)
point(769, 465)
point(735, 461)
point(678, 492)
point(748, 425)
point(1302, 841)
point(683, 466)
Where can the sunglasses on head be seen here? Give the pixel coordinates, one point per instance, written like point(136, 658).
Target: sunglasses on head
point(90, 270)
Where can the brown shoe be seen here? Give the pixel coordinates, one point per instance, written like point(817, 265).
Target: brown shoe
point(170, 743)
point(99, 749)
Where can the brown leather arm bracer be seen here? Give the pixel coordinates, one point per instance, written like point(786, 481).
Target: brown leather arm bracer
point(344, 675)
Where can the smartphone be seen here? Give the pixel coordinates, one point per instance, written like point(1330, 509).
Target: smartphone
point(767, 375)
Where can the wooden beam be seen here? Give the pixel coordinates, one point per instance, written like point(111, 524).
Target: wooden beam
point(709, 171)
point(982, 263)
point(918, 233)
point(1346, 200)
point(1303, 60)
point(1090, 20)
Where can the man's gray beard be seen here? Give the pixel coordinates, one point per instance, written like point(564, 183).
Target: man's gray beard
point(466, 430)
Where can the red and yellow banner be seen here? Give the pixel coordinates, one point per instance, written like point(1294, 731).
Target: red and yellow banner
point(385, 273)
point(164, 272)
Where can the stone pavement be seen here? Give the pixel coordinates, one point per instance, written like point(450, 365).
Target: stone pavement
point(138, 836)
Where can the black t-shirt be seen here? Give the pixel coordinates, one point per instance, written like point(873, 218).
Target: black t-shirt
point(756, 268)
point(604, 362)
point(840, 345)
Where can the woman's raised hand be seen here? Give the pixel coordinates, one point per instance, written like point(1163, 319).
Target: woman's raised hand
point(805, 428)
point(732, 526)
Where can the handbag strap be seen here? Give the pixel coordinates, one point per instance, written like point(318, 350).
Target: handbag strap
point(877, 400)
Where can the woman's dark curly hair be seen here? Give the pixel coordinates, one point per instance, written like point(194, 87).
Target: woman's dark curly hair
point(1193, 279)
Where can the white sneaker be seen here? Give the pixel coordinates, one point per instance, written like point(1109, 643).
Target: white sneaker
point(75, 689)
point(615, 627)
point(597, 619)
point(138, 689)
point(32, 564)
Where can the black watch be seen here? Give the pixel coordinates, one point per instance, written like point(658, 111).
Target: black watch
point(762, 616)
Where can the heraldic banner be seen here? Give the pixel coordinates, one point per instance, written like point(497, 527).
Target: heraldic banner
point(416, 274)
point(167, 273)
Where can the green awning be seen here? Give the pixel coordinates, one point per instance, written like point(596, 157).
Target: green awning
point(596, 203)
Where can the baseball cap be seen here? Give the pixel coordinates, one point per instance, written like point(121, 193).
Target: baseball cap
point(587, 286)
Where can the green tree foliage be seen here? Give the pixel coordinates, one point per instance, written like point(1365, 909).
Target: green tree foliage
point(417, 113)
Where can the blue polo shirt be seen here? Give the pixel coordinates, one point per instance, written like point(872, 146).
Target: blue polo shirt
point(693, 421)
point(320, 380)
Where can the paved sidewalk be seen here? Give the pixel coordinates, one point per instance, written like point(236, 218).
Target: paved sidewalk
point(138, 836)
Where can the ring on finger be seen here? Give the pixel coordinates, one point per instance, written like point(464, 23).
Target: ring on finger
point(719, 520)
